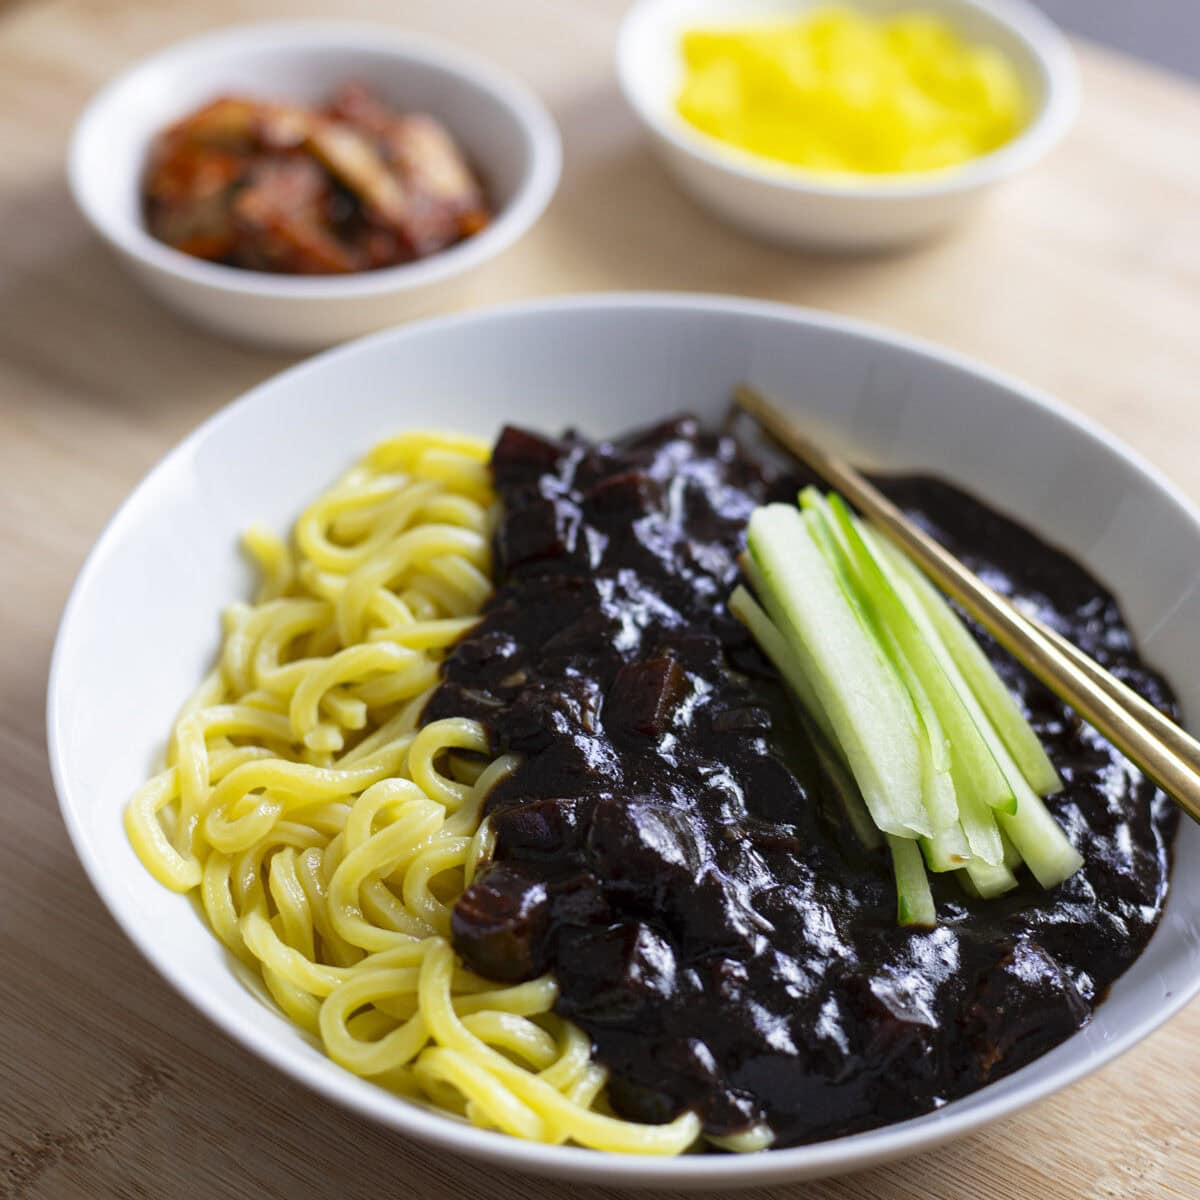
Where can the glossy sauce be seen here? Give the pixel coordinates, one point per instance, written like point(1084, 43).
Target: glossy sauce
point(668, 849)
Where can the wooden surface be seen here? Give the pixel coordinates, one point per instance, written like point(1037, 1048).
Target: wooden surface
point(1084, 278)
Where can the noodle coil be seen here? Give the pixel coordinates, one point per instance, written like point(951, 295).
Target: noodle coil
point(327, 834)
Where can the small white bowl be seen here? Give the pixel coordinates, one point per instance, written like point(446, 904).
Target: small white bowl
point(126, 657)
point(503, 128)
point(786, 204)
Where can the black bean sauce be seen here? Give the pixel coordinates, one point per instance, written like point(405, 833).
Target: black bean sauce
point(668, 850)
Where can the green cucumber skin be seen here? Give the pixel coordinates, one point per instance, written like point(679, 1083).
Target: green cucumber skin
point(914, 900)
point(1039, 839)
point(773, 644)
point(880, 665)
point(990, 690)
point(869, 713)
point(977, 816)
point(976, 777)
point(1034, 833)
point(937, 786)
point(978, 769)
point(785, 657)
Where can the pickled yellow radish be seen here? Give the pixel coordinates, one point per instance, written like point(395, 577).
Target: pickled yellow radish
point(840, 91)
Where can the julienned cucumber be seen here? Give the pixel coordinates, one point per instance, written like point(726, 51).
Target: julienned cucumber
point(914, 901)
point(785, 656)
point(1038, 839)
point(977, 766)
point(1031, 829)
point(909, 714)
point(977, 781)
point(937, 787)
point(997, 701)
point(869, 712)
point(947, 850)
point(988, 882)
point(784, 659)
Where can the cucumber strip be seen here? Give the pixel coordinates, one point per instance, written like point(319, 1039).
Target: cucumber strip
point(1037, 836)
point(1012, 856)
point(773, 644)
point(967, 701)
point(964, 882)
point(763, 594)
point(976, 778)
point(842, 782)
point(947, 850)
point(866, 704)
point(914, 901)
point(820, 515)
point(997, 701)
point(969, 765)
point(785, 657)
point(938, 792)
point(1034, 833)
point(821, 527)
point(975, 765)
point(937, 787)
point(978, 822)
point(988, 881)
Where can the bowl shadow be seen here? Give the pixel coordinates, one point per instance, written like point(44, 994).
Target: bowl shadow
point(621, 221)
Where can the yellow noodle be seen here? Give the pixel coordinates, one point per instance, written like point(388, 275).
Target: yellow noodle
point(273, 559)
point(327, 834)
point(757, 1137)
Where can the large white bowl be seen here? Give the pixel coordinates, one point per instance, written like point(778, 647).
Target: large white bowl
point(503, 128)
point(787, 204)
point(141, 626)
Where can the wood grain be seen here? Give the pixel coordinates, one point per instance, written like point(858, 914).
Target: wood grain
point(1084, 278)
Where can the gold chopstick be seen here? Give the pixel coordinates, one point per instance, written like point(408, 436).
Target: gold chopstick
point(1154, 743)
point(1176, 740)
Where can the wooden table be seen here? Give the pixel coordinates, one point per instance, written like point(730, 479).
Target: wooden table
point(1084, 278)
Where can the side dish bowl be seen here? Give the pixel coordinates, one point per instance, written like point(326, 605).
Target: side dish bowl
point(504, 130)
point(786, 204)
point(142, 623)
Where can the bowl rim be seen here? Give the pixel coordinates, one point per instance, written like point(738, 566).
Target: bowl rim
point(1046, 45)
point(508, 93)
point(838, 1155)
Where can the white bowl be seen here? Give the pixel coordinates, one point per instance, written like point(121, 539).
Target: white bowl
point(141, 626)
point(786, 204)
point(503, 128)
